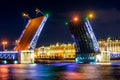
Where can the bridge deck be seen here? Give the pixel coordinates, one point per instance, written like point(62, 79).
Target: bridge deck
point(29, 33)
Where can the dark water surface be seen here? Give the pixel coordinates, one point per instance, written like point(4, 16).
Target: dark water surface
point(60, 71)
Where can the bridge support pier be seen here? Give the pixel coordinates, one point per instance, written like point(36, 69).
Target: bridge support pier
point(26, 57)
point(105, 57)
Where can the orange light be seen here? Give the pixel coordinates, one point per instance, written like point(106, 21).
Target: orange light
point(90, 15)
point(4, 42)
point(17, 42)
point(76, 19)
point(25, 15)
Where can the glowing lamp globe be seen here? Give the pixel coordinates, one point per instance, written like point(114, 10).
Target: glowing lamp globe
point(91, 15)
point(75, 18)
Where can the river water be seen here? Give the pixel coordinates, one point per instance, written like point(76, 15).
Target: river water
point(60, 71)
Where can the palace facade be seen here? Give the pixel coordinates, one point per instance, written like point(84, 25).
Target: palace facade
point(109, 45)
point(56, 51)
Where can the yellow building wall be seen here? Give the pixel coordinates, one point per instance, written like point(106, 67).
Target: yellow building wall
point(112, 45)
point(57, 51)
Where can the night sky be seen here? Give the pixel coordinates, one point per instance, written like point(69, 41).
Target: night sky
point(105, 23)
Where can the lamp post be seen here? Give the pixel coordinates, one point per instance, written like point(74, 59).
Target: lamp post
point(26, 15)
point(38, 11)
point(16, 42)
point(4, 43)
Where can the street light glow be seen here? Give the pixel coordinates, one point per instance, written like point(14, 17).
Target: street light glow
point(17, 42)
point(91, 15)
point(37, 10)
point(75, 18)
point(4, 43)
point(25, 15)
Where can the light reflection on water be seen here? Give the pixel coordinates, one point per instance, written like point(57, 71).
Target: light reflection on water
point(60, 71)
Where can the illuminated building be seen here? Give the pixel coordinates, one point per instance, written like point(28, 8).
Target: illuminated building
point(111, 45)
point(85, 40)
point(58, 51)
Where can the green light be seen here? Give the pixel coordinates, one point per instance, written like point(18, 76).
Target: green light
point(47, 14)
point(86, 18)
point(66, 23)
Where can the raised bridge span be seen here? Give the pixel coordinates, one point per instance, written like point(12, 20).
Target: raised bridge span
point(24, 51)
point(30, 34)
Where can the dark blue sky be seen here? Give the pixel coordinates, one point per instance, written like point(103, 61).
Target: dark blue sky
point(106, 22)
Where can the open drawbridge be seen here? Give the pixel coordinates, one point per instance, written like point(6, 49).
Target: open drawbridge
point(30, 34)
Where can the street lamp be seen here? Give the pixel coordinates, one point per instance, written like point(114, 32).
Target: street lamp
point(4, 43)
point(75, 18)
point(90, 15)
point(38, 11)
point(17, 42)
point(26, 15)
